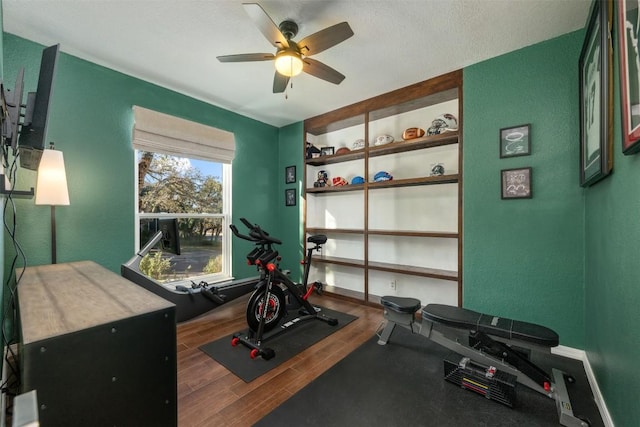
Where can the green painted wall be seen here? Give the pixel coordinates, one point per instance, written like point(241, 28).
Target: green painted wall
point(291, 154)
point(524, 258)
point(612, 280)
point(91, 121)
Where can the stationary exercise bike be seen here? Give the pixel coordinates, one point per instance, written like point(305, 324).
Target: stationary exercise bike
point(276, 293)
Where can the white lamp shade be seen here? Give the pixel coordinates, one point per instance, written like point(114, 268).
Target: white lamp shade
point(51, 186)
point(288, 63)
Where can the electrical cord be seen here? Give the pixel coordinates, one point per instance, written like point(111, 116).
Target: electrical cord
point(10, 332)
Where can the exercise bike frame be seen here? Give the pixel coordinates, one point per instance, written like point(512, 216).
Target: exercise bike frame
point(267, 260)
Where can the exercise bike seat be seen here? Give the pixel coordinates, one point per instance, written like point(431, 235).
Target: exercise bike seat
point(462, 318)
point(318, 239)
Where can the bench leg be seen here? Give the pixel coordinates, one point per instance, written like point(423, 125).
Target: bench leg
point(393, 318)
point(386, 332)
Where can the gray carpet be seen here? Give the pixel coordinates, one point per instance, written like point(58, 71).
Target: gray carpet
point(401, 384)
point(287, 345)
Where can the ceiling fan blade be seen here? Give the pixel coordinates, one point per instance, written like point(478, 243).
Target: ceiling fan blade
point(266, 26)
point(322, 71)
point(246, 57)
point(324, 39)
point(279, 83)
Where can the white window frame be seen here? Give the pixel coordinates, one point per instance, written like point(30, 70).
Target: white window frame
point(225, 215)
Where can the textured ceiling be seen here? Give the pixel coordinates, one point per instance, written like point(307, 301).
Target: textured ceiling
point(174, 43)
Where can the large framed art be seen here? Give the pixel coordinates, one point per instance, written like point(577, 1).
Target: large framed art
point(629, 58)
point(596, 101)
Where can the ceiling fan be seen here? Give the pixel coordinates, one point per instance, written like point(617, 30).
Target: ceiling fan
point(292, 58)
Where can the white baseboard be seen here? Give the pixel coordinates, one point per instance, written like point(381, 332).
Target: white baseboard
point(574, 353)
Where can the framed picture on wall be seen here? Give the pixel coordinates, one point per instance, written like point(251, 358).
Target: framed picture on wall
point(596, 102)
point(290, 197)
point(515, 141)
point(629, 58)
point(326, 151)
point(290, 175)
point(516, 183)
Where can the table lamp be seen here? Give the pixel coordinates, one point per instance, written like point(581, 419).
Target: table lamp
point(51, 188)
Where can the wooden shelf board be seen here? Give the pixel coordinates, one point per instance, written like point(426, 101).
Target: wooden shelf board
point(414, 271)
point(414, 233)
point(336, 158)
point(393, 268)
point(412, 182)
point(316, 230)
point(447, 138)
point(349, 187)
point(349, 262)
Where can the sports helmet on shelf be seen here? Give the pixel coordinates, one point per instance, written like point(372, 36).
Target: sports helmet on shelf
point(358, 144)
point(437, 169)
point(443, 123)
point(383, 139)
point(338, 181)
point(382, 176)
point(357, 180)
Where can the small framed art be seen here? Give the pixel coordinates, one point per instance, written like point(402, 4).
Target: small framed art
point(326, 151)
point(516, 183)
point(515, 141)
point(290, 197)
point(290, 175)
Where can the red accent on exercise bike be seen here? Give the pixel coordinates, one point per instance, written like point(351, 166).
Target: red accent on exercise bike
point(309, 291)
point(271, 266)
point(249, 262)
point(547, 386)
point(235, 341)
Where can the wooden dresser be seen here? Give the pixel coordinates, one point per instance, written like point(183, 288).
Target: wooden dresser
point(98, 349)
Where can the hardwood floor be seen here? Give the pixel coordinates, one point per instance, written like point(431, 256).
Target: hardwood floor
point(210, 395)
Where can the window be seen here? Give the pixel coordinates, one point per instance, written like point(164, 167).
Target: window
point(184, 189)
point(192, 192)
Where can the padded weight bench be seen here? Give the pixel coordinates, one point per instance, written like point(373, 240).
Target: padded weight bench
point(485, 339)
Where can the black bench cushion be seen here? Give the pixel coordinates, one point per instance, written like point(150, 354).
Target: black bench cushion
point(400, 304)
point(462, 318)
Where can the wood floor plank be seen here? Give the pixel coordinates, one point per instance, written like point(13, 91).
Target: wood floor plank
point(209, 395)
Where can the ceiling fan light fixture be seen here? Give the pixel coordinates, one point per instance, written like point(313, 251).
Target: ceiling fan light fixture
point(288, 63)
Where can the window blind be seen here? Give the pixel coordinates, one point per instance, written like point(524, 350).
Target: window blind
point(163, 133)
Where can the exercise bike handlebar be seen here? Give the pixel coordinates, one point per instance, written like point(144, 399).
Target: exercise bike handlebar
point(256, 234)
point(235, 231)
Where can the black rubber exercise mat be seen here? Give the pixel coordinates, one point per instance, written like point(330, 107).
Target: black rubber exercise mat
point(286, 345)
point(402, 384)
